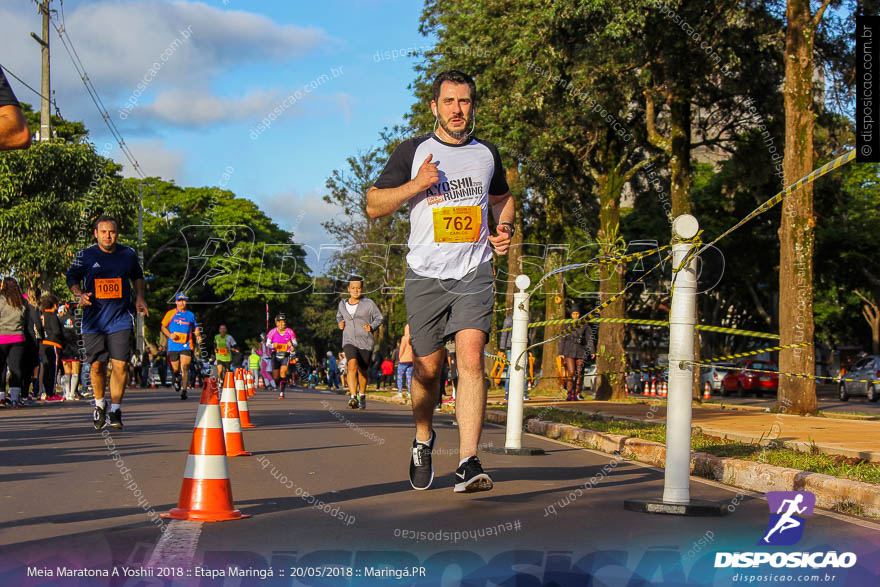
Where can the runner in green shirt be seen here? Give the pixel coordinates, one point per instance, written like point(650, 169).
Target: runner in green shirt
point(224, 344)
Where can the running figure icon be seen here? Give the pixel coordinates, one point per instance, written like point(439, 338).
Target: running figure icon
point(787, 522)
point(786, 525)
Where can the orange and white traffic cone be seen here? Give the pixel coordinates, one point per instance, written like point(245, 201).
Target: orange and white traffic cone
point(262, 383)
point(707, 392)
point(206, 493)
point(249, 383)
point(241, 393)
point(652, 390)
point(663, 389)
point(231, 419)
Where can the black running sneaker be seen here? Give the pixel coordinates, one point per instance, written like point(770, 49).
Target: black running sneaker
point(470, 477)
point(362, 402)
point(421, 470)
point(99, 418)
point(116, 419)
point(183, 394)
point(353, 403)
point(175, 382)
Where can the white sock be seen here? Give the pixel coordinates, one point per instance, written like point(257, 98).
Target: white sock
point(74, 383)
point(115, 407)
point(65, 381)
point(463, 461)
point(99, 403)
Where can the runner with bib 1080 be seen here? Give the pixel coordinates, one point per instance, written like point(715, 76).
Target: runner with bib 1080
point(99, 278)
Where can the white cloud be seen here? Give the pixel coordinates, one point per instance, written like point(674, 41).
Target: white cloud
point(303, 215)
point(300, 214)
point(184, 107)
point(154, 159)
point(122, 43)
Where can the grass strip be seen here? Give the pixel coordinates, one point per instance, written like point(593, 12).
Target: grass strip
point(832, 465)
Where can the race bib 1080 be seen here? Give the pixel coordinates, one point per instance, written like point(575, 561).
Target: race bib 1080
point(108, 289)
point(457, 224)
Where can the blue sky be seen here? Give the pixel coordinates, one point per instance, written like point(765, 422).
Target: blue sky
point(223, 67)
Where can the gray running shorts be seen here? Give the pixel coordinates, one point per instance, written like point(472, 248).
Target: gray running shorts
point(438, 308)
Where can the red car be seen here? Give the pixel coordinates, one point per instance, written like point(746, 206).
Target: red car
point(744, 380)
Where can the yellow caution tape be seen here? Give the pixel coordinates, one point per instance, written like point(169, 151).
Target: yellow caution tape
point(797, 375)
point(641, 322)
point(757, 352)
point(609, 260)
point(809, 178)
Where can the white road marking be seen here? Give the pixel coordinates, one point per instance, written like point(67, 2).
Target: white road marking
point(177, 546)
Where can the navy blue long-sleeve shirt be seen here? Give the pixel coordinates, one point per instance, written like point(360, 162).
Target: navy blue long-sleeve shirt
point(107, 276)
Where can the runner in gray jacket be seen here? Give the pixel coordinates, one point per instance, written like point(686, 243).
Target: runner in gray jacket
point(358, 318)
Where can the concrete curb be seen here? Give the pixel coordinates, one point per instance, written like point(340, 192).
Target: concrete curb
point(829, 491)
point(800, 446)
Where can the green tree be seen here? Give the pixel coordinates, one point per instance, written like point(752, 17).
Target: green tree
point(50, 195)
point(372, 248)
point(68, 131)
point(225, 253)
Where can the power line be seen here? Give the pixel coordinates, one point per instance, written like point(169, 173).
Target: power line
point(22, 82)
point(78, 65)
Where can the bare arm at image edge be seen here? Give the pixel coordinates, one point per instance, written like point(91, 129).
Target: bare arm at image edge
point(14, 133)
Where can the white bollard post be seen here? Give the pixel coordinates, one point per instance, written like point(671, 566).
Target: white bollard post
point(682, 322)
point(519, 338)
point(516, 371)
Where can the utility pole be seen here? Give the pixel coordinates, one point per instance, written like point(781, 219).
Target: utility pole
point(140, 317)
point(45, 88)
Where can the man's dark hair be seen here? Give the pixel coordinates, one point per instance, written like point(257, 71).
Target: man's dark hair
point(356, 278)
point(47, 301)
point(456, 77)
point(106, 218)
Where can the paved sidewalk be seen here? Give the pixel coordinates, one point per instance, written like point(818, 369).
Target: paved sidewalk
point(835, 436)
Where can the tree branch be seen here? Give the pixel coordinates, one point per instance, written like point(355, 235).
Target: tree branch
point(654, 137)
point(635, 168)
point(818, 16)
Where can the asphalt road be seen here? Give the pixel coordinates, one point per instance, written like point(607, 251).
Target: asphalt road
point(556, 519)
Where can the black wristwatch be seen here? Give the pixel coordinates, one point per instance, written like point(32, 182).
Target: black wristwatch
point(511, 227)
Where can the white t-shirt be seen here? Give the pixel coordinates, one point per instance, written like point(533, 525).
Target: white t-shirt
point(469, 174)
point(352, 308)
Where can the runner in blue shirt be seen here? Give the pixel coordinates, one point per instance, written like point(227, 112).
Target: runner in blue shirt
point(179, 325)
point(101, 278)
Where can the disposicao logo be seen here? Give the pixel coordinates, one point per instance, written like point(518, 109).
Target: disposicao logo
point(786, 527)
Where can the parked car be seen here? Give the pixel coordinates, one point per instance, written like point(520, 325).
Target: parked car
point(746, 380)
point(865, 368)
point(713, 375)
point(589, 379)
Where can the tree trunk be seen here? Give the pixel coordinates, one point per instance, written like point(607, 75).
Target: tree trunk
point(796, 236)
point(554, 293)
point(680, 154)
point(554, 310)
point(610, 354)
point(514, 256)
point(871, 313)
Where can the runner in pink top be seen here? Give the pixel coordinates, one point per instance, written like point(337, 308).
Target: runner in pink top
point(282, 341)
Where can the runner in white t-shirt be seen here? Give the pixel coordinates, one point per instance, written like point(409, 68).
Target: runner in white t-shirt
point(450, 179)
